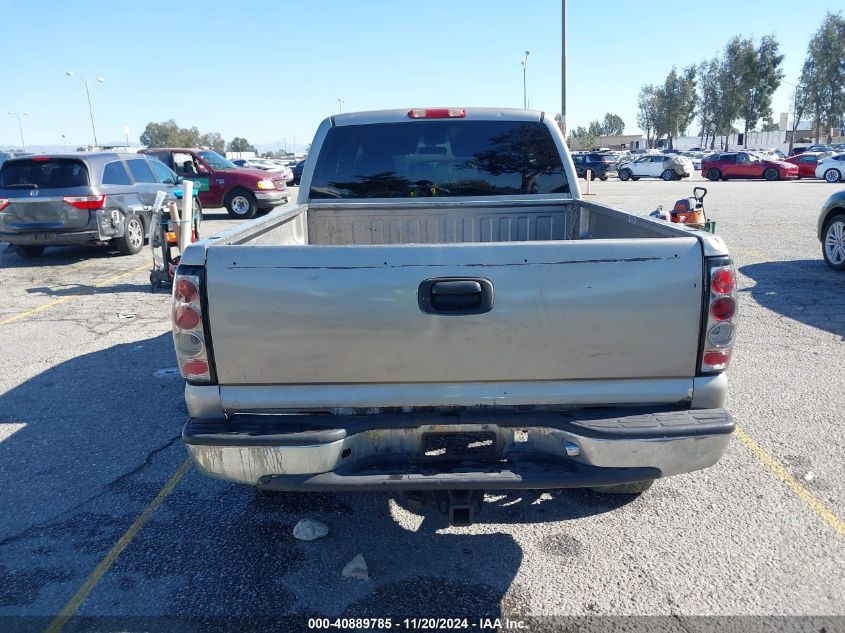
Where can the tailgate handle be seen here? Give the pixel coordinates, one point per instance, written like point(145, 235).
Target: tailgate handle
point(456, 295)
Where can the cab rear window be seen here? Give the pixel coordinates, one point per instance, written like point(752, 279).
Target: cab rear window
point(441, 158)
point(52, 173)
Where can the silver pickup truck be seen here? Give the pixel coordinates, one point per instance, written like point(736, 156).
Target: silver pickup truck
point(442, 314)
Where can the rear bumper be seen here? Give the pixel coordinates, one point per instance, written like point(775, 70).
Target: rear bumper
point(46, 238)
point(388, 452)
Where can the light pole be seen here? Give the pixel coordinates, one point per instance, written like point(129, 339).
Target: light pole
point(64, 141)
point(563, 69)
point(524, 84)
point(794, 114)
point(340, 103)
point(126, 134)
point(20, 127)
point(70, 73)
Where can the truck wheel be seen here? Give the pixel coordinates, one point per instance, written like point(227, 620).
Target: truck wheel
point(624, 174)
point(241, 204)
point(635, 488)
point(832, 175)
point(133, 236)
point(771, 174)
point(668, 174)
point(28, 252)
point(714, 174)
point(833, 245)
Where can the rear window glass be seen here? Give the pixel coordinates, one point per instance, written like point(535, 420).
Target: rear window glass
point(53, 173)
point(438, 159)
point(115, 174)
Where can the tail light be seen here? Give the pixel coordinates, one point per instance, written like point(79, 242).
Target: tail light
point(719, 328)
point(4, 202)
point(437, 113)
point(85, 202)
point(189, 339)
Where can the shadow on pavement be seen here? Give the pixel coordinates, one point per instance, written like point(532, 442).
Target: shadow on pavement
point(805, 290)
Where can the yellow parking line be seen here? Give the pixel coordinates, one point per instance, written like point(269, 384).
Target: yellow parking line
point(815, 504)
point(100, 570)
point(55, 302)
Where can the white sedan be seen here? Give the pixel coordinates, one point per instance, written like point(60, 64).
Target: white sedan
point(667, 167)
point(832, 168)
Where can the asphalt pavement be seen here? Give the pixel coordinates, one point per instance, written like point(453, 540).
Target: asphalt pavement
point(100, 516)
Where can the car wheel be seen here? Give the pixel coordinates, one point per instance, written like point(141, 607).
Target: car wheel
point(624, 174)
point(133, 236)
point(714, 174)
point(635, 488)
point(832, 175)
point(28, 252)
point(771, 174)
point(241, 204)
point(668, 174)
point(603, 178)
point(833, 245)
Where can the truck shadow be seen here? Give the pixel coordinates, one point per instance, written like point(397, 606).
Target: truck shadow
point(65, 290)
point(89, 443)
point(805, 290)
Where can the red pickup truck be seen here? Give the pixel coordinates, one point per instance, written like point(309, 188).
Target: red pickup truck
point(244, 192)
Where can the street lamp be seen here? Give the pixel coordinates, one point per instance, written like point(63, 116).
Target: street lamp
point(20, 127)
point(64, 141)
point(340, 103)
point(524, 85)
point(70, 73)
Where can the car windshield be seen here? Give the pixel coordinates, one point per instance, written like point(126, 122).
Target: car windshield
point(217, 161)
point(438, 158)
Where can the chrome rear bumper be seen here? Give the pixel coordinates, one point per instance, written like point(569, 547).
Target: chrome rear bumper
point(387, 452)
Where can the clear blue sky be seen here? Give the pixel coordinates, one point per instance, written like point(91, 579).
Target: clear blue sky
point(273, 70)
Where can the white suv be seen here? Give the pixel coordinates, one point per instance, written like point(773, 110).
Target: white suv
point(832, 168)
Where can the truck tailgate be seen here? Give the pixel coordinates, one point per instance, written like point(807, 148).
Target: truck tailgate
point(593, 309)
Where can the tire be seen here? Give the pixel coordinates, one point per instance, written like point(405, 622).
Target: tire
point(771, 174)
point(635, 177)
point(832, 175)
point(833, 242)
point(133, 236)
point(668, 174)
point(714, 174)
point(30, 252)
point(603, 178)
point(241, 204)
point(635, 488)
point(624, 174)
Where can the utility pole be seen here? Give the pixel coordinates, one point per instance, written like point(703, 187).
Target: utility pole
point(524, 83)
point(71, 74)
point(20, 127)
point(563, 70)
point(340, 103)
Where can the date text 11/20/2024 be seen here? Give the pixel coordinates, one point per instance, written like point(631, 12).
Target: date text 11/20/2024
point(416, 624)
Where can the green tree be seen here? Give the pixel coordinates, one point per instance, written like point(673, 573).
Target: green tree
point(647, 112)
point(676, 103)
point(769, 126)
point(729, 92)
point(595, 129)
point(168, 134)
point(613, 125)
point(761, 76)
point(823, 74)
point(240, 144)
point(708, 99)
point(213, 141)
point(585, 136)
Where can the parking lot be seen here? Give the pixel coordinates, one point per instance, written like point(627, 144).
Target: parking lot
point(102, 515)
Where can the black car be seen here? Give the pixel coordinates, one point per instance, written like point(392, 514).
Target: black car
point(598, 164)
point(297, 171)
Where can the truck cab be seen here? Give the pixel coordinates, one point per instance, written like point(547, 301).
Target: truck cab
point(221, 183)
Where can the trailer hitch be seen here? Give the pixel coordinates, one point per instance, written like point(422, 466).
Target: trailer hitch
point(460, 505)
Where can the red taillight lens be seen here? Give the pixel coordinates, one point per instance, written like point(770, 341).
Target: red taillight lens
point(186, 317)
point(723, 281)
point(195, 368)
point(85, 202)
point(185, 290)
point(437, 113)
point(723, 308)
point(717, 358)
point(4, 202)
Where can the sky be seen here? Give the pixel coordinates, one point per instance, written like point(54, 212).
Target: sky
point(271, 71)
